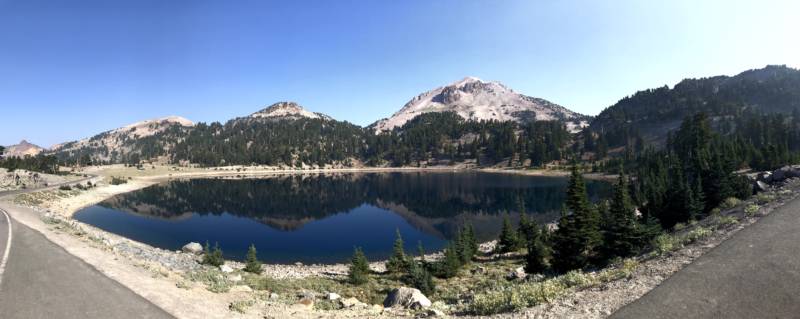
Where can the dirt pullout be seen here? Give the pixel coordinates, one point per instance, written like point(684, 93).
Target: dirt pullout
point(67, 206)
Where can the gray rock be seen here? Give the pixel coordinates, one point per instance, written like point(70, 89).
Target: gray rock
point(518, 273)
point(194, 248)
point(765, 177)
point(349, 302)
point(273, 296)
point(779, 175)
point(226, 269)
point(407, 298)
point(761, 186)
point(235, 278)
point(307, 294)
point(333, 296)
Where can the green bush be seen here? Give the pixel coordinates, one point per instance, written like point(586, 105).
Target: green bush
point(118, 180)
point(665, 243)
point(419, 277)
point(252, 265)
point(65, 188)
point(730, 202)
point(751, 210)
point(359, 268)
point(214, 257)
point(697, 234)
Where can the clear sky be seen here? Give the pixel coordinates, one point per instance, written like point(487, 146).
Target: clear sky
point(71, 69)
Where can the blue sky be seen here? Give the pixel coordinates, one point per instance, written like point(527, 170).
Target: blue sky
point(71, 69)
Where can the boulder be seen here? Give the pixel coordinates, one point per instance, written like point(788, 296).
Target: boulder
point(349, 302)
point(793, 171)
point(761, 186)
point(193, 248)
point(333, 296)
point(226, 269)
point(779, 175)
point(407, 298)
point(518, 273)
point(273, 296)
point(234, 278)
point(765, 177)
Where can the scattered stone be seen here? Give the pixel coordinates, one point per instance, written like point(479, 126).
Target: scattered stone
point(307, 294)
point(349, 302)
point(193, 248)
point(407, 298)
point(273, 296)
point(434, 313)
point(333, 296)
point(377, 308)
point(517, 274)
point(305, 303)
point(761, 186)
point(479, 270)
point(241, 288)
point(235, 278)
point(226, 269)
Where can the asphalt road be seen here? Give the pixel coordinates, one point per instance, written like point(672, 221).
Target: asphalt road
point(754, 274)
point(42, 280)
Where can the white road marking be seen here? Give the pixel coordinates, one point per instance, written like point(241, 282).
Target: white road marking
point(8, 247)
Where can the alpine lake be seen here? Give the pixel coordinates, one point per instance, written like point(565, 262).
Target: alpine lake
point(320, 218)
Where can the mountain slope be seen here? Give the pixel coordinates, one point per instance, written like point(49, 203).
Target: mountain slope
point(22, 149)
point(287, 110)
point(654, 112)
point(474, 99)
point(125, 144)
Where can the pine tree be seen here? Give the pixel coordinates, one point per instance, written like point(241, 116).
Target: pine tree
point(359, 268)
point(538, 253)
point(419, 277)
point(623, 233)
point(508, 237)
point(252, 265)
point(213, 257)
point(397, 262)
point(578, 237)
point(450, 264)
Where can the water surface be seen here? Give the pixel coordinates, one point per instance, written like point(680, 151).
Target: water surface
point(319, 218)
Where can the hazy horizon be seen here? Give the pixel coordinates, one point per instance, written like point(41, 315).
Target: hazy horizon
point(75, 70)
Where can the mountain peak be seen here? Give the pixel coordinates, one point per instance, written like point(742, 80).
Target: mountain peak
point(289, 110)
point(23, 149)
point(475, 99)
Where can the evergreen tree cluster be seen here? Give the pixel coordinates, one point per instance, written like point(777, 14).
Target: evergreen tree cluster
point(41, 163)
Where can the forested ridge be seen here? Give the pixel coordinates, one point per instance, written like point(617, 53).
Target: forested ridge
point(754, 113)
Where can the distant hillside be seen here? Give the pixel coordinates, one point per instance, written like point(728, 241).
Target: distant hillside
point(474, 99)
point(650, 114)
point(22, 149)
point(140, 140)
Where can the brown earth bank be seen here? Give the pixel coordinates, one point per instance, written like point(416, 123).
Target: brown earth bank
point(177, 283)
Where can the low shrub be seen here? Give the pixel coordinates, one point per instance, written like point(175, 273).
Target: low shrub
point(697, 234)
point(665, 243)
point(751, 210)
point(118, 180)
point(730, 202)
point(65, 188)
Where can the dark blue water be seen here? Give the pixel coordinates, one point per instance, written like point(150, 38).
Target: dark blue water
point(321, 218)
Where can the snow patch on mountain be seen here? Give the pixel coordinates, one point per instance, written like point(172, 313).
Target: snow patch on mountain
point(475, 99)
point(288, 110)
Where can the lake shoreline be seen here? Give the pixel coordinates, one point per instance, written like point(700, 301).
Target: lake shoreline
point(98, 247)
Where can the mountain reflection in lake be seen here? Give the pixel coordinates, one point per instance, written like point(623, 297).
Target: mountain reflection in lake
point(319, 218)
